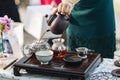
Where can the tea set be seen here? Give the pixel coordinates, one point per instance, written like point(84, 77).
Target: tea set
point(44, 52)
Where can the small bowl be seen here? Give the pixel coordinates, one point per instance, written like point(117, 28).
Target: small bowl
point(44, 56)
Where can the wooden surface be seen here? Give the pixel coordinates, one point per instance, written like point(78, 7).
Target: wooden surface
point(57, 67)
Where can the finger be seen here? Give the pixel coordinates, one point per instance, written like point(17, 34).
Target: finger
point(60, 7)
point(67, 10)
point(55, 11)
point(63, 10)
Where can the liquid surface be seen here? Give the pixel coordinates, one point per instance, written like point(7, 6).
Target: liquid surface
point(44, 53)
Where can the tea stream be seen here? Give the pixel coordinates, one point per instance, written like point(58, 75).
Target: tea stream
point(43, 35)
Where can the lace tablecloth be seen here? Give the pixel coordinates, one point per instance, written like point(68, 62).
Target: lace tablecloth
point(106, 66)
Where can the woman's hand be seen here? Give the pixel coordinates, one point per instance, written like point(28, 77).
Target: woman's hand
point(64, 8)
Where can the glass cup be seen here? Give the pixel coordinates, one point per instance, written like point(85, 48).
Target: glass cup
point(42, 45)
point(28, 50)
point(82, 52)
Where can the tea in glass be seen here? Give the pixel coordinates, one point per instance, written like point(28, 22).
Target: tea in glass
point(59, 48)
point(82, 52)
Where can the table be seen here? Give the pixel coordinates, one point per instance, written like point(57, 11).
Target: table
point(35, 23)
point(8, 74)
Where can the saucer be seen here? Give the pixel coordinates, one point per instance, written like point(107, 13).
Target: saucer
point(72, 59)
point(116, 72)
point(117, 63)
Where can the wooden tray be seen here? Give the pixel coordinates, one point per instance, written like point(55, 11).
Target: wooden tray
point(58, 67)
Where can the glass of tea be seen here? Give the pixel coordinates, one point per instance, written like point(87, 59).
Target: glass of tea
point(59, 48)
point(82, 52)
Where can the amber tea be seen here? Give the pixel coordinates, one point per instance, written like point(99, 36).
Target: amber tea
point(59, 54)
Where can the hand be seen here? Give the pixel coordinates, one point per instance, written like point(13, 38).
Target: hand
point(64, 8)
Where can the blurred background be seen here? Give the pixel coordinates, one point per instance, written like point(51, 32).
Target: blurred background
point(23, 4)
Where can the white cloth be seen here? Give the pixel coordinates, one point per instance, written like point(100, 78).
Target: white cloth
point(17, 50)
point(17, 30)
point(16, 38)
point(36, 22)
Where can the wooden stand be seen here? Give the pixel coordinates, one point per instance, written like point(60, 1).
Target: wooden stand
point(57, 67)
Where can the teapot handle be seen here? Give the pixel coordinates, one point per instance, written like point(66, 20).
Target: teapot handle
point(67, 18)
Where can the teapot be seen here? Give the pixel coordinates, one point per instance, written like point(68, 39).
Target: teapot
point(57, 22)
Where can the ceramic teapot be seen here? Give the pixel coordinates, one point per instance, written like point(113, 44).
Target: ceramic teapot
point(57, 22)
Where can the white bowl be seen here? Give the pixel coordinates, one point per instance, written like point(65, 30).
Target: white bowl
point(44, 56)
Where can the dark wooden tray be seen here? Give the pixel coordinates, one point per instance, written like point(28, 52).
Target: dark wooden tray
point(58, 67)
